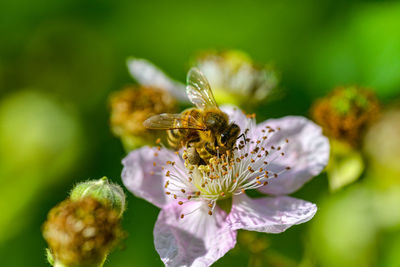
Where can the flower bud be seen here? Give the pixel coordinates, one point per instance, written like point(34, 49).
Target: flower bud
point(81, 232)
point(131, 106)
point(346, 112)
point(103, 191)
point(235, 78)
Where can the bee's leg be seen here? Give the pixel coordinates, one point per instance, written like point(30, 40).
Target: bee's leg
point(210, 149)
point(244, 137)
point(193, 157)
point(191, 142)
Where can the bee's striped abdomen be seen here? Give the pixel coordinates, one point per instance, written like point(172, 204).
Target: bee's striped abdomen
point(180, 137)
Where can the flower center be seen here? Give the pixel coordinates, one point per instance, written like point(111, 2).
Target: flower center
point(250, 165)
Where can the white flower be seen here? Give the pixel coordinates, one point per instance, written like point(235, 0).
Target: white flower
point(278, 157)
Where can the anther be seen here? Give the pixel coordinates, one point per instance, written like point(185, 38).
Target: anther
point(180, 202)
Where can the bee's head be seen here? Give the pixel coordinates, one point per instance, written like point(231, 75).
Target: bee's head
point(229, 135)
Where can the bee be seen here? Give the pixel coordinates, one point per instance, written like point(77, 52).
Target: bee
point(205, 130)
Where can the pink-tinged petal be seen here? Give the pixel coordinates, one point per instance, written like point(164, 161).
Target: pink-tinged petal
point(142, 173)
point(269, 214)
point(146, 73)
point(237, 116)
point(196, 240)
point(306, 153)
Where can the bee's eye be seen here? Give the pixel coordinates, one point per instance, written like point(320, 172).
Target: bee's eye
point(224, 138)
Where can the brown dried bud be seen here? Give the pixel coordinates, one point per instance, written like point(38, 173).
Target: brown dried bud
point(131, 106)
point(82, 232)
point(346, 112)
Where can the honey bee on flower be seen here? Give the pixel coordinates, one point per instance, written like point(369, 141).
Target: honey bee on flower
point(205, 131)
point(202, 208)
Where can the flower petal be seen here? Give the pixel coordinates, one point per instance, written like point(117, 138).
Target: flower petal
point(237, 116)
point(196, 240)
point(306, 153)
point(146, 73)
point(269, 214)
point(144, 179)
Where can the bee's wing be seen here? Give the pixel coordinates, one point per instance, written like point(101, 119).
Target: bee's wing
point(199, 91)
point(168, 121)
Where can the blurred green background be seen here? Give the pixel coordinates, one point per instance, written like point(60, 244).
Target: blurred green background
point(59, 61)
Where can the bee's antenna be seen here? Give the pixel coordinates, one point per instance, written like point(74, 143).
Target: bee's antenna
point(244, 137)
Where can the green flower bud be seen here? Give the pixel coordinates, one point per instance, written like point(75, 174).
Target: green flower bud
point(103, 191)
